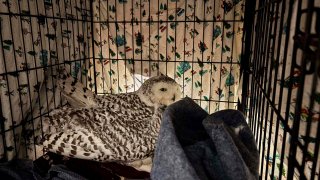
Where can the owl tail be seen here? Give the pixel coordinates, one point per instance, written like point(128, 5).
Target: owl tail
point(61, 143)
point(77, 144)
point(75, 92)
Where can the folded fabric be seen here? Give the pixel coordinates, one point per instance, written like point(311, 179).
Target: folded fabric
point(60, 172)
point(22, 169)
point(56, 167)
point(195, 145)
point(19, 169)
point(89, 169)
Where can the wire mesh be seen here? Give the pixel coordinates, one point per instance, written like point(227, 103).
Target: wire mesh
point(281, 86)
point(92, 39)
point(110, 46)
point(36, 38)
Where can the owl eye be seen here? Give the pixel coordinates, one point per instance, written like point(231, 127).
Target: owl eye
point(163, 89)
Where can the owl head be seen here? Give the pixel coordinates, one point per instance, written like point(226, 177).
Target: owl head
point(159, 91)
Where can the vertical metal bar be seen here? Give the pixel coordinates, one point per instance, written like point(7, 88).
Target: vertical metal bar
point(292, 162)
point(231, 59)
point(274, 81)
point(203, 32)
point(282, 88)
point(3, 132)
point(254, 62)
point(74, 39)
point(86, 46)
point(262, 79)
point(41, 45)
point(8, 87)
point(309, 118)
point(78, 51)
point(193, 50)
point(253, 93)
point(184, 43)
point(265, 80)
point(100, 56)
point(28, 81)
point(93, 44)
point(62, 45)
point(167, 24)
point(18, 80)
point(256, 113)
point(125, 53)
point(259, 114)
point(212, 58)
point(175, 37)
point(2, 118)
point(57, 55)
point(109, 37)
point(263, 121)
point(150, 68)
point(133, 50)
point(221, 56)
point(67, 24)
point(36, 72)
point(158, 10)
point(140, 22)
point(49, 57)
point(317, 146)
point(116, 18)
point(313, 86)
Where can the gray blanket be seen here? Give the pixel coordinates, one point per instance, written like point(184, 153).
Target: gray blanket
point(195, 145)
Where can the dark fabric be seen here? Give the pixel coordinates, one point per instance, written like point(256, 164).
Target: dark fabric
point(56, 167)
point(202, 156)
point(95, 170)
point(18, 169)
point(239, 151)
point(90, 169)
point(195, 145)
point(60, 172)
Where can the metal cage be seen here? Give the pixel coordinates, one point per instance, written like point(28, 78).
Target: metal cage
point(273, 46)
point(281, 85)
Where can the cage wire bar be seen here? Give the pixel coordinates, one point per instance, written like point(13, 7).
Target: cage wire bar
point(76, 23)
point(143, 25)
point(39, 23)
point(265, 64)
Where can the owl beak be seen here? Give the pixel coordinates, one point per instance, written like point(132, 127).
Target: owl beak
point(174, 98)
point(163, 107)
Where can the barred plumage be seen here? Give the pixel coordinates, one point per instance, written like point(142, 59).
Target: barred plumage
point(121, 127)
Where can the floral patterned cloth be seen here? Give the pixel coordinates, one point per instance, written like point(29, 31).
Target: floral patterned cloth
point(196, 42)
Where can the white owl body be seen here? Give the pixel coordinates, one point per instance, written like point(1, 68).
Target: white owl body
point(122, 127)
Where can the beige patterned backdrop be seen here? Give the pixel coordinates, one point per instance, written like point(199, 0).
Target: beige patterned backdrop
point(176, 38)
point(197, 42)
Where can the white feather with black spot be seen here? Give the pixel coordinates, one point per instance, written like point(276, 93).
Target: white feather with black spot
point(122, 127)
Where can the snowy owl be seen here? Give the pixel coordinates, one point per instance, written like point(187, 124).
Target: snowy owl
point(120, 127)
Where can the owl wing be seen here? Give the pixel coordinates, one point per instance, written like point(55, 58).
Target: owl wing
point(120, 107)
point(113, 131)
point(75, 92)
point(68, 131)
point(78, 144)
point(102, 136)
point(57, 119)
